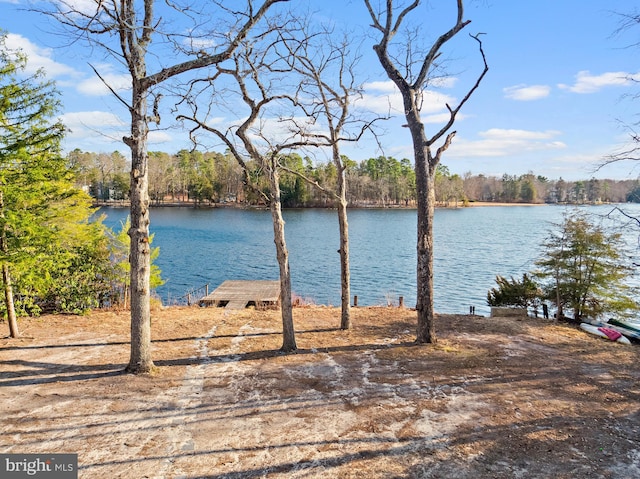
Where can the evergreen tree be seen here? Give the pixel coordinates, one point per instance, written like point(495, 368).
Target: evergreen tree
point(514, 293)
point(28, 141)
point(585, 270)
point(51, 254)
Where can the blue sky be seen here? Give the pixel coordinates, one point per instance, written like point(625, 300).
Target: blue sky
point(554, 102)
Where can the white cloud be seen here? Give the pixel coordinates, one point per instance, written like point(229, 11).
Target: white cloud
point(94, 131)
point(386, 86)
point(100, 130)
point(276, 130)
point(38, 57)
point(86, 7)
point(581, 164)
point(433, 102)
point(382, 104)
point(526, 92)
point(94, 86)
point(159, 136)
point(588, 83)
point(92, 118)
point(518, 135)
point(265, 133)
point(42, 58)
point(94, 125)
point(499, 142)
point(443, 82)
point(200, 43)
point(443, 117)
point(216, 121)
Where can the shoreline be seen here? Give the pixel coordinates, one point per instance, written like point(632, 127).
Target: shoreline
point(476, 204)
point(471, 204)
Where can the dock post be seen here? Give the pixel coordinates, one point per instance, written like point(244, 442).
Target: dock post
point(401, 302)
point(355, 301)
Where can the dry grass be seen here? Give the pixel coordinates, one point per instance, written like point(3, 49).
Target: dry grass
point(495, 397)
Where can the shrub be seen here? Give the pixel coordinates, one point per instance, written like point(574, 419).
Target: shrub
point(515, 293)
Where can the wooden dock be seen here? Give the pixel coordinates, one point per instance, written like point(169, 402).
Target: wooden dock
point(237, 294)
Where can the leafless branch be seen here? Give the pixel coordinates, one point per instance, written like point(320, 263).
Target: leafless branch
point(436, 48)
point(445, 146)
point(624, 213)
point(109, 87)
point(454, 112)
point(213, 59)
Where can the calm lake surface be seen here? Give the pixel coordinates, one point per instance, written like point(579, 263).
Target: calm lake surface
point(472, 246)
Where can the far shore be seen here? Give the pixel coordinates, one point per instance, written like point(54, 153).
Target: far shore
point(185, 204)
point(490, 203)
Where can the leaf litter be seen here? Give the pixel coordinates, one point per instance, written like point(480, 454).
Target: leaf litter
point(495, 397)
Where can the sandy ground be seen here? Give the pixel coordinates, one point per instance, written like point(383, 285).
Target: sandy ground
point(496, 398)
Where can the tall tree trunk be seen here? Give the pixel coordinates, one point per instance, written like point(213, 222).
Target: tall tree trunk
point(8, 300)
point(6, 279)
point(140, 251)
point(345, 274)
point(560, 312)
point(425, 189)
point(288, 331)
point(410, 73)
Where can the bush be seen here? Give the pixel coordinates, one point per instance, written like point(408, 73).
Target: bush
point(515, 293)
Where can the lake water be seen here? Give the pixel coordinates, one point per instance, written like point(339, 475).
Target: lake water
point(472, 246)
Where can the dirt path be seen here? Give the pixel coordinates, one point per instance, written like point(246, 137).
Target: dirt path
point(494, 398)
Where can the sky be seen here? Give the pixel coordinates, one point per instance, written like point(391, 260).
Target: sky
point(558, 98)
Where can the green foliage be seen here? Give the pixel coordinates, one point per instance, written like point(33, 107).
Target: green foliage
point(514, 293)
point(390, 180)
point(584, 269)
point(80, 276)
point(120, 280)
point(528, 192)
point(211, 177)
point(448, 188)
point(57, 257)
point(294, 191)
point(63, 264)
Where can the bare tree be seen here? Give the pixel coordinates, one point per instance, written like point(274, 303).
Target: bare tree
point(328, 88)
point(125, 30)
point(411, 71)
point(258, 90)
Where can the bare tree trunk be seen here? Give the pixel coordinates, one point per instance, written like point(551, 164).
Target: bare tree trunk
point(133, 24)
point(345, 274)
point(288, 331)
point(8, 300)
point(411, 78)
point(6, 280)
point(426, 331)
point(559, 312)
point(140, 251)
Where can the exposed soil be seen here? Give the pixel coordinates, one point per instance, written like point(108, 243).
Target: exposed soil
point(495, 397)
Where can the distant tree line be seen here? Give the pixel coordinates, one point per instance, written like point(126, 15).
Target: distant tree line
point(206, 178)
